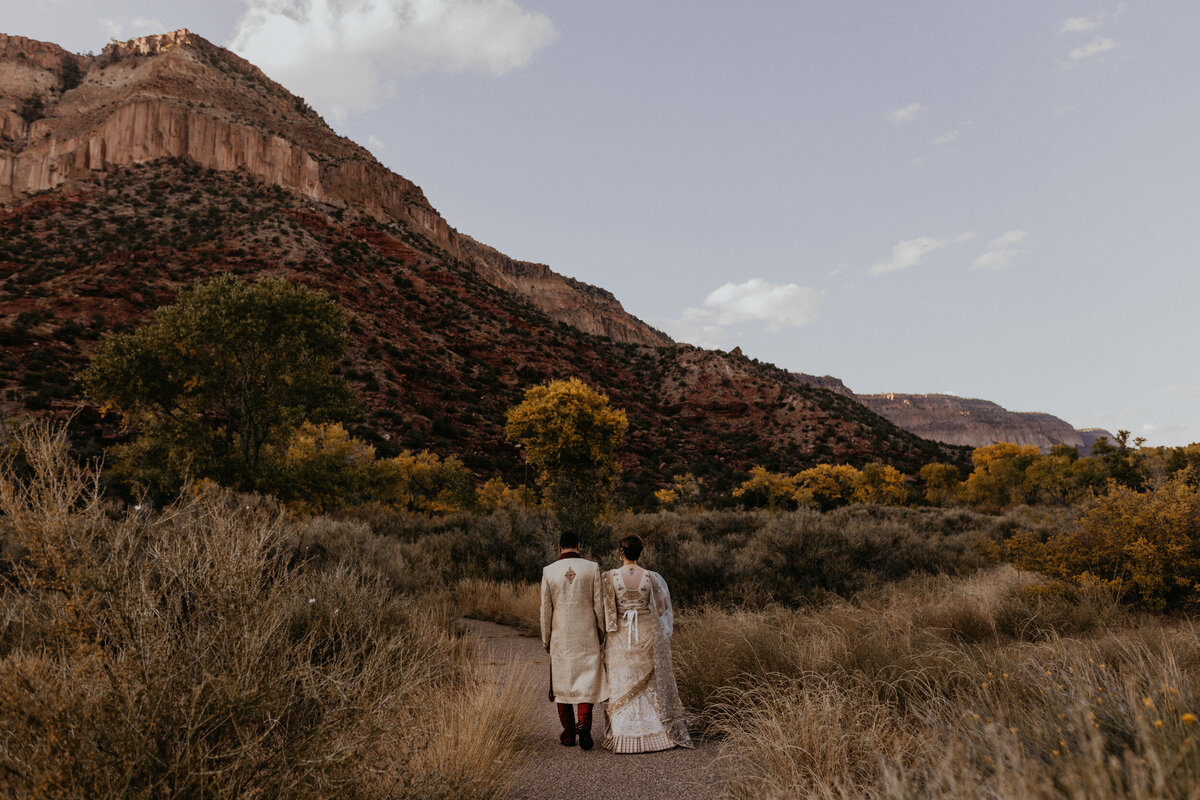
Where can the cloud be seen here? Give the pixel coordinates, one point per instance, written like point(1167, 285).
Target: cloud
point(375, 143)
point(343, 55)
point(1101, 44)
point(946, 138)
point(906, 114)
point(756, 300)
point(759, 300)
point(1000, 252)
point(132, 27)
point(1089, 24)
point(1083, 24)
point(908, 253)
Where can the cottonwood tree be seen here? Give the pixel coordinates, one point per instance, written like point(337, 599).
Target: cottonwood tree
point(570, 434)
point(217, 375)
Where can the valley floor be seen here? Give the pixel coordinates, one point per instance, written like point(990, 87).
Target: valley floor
point(552, 771)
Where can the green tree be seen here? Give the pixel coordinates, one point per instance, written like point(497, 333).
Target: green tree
point(942, 483)
point(1122, 462)
point(217, 375)
point(570, 434)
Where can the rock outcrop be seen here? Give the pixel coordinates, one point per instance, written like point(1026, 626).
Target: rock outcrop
point(178, 95)
point(976, 423)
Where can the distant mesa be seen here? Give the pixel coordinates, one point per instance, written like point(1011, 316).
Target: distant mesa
point(968, 422)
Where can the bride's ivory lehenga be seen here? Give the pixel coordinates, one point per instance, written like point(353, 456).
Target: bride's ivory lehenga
point(644, 713)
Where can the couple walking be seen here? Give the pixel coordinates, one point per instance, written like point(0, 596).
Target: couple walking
point(608, 638)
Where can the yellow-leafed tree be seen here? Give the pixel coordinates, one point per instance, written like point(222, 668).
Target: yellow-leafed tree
point(775, 487)
point(570, 433)
point(827, 486)
point(881, 484)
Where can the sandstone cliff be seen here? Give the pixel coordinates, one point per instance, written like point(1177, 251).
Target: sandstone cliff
point(976, 423)
point(178, 95)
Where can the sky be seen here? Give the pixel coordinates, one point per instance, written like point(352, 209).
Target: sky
point(997, 200)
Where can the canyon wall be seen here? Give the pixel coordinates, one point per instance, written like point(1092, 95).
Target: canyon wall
point(178, 95)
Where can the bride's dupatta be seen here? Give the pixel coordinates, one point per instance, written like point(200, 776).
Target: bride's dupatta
point(666, 693)
point(661, 678)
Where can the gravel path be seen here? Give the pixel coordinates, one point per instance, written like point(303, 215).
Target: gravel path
point(554, 772)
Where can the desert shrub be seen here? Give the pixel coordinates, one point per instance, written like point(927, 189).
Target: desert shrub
point(1145, 545)
point(803, 556)
point(191, 653)
point(514, 604)
point(918, 689)
point(512, 544)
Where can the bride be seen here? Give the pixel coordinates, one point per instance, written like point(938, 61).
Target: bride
point(644, 712)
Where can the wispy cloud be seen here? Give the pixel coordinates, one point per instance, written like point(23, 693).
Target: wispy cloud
point(1001, 252)
point(1083, 24)
point(757, 300)
point(946, 138)
point(905, 114)
point(910, 252)
point(132, 27)
point(1099, 44)
point(343, 55)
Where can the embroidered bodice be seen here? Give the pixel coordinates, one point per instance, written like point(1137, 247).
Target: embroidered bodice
point(635, 599)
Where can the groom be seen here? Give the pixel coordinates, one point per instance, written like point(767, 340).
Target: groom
point(572, 631)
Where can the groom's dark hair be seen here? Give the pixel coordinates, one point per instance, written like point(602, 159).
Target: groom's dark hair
point(569, 540)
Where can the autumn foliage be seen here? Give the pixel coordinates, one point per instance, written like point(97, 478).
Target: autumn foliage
point(1144, 545)
point(570, 433)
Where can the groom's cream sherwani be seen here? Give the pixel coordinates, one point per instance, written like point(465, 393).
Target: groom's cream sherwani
point(572, 626)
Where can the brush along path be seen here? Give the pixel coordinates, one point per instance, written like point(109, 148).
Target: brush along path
point(553, 771)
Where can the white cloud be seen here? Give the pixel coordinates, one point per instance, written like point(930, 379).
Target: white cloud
point(756, 300)
point(342, 55)
point(946, 138)
point(762, 301)
point(908, 253)
point(374, 143)
point(906, 114)
point(1097, 46)
point(1095, 22)
point(132, 27)
point(1000, 252)
point(1083, 24)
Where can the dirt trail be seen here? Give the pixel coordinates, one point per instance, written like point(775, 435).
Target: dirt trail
point(554, 772)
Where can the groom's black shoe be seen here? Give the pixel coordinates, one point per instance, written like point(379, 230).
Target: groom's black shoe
point(585, 737)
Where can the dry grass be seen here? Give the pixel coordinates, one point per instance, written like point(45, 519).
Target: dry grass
point(515, 604)
point(948, 688)
point(189, 652)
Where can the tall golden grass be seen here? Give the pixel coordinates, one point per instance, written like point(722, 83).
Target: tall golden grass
point(191, 652)
point(508, 603)
point(947, 688)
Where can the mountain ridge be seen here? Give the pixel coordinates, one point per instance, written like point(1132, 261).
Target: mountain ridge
point(171, 162)
point(167, 85)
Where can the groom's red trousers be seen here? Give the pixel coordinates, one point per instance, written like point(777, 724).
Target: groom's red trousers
point(569, 718)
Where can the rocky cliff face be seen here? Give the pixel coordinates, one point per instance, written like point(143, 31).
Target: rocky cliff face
point(976, 423)
point(178, 95)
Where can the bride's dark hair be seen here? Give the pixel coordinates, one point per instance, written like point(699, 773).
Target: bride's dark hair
point(631, 547)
